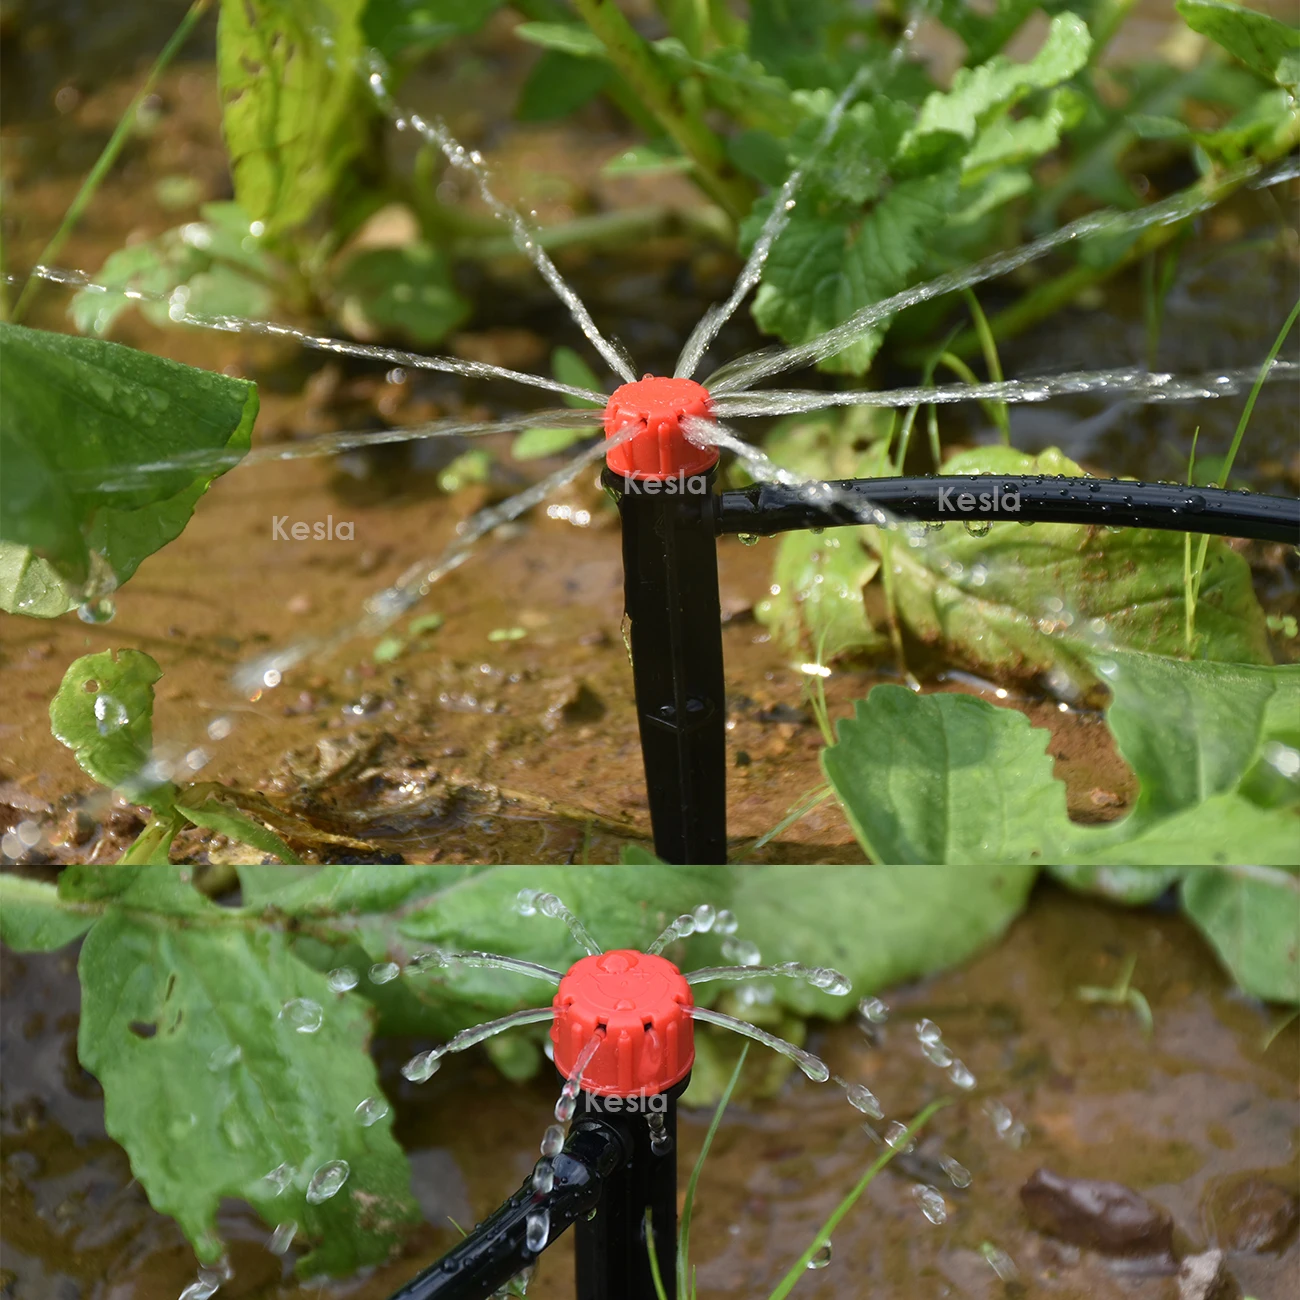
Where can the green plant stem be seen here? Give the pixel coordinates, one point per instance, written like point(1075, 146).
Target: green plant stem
point(799, 1268)
point(997, 410)
point(1189, 592)
point(635, 63)
point(109, 155)
point(1040, 303)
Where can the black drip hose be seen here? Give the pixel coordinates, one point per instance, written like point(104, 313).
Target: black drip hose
point(770, 508)
point(497, 1249)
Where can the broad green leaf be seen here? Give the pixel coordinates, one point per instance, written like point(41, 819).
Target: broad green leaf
point(291, 106)
point(1254, 926)
point(946, 779)
point(34, 919)
point(103, 712)
point(573, 39)
point(407, 292)
point(167, 891)
point(78, 417)
point(1007, 140)
point(569, 368)
point(220, 262)
point(789, 38)
point(824, 268)
point(535, 443)
point(816, 602)
point(210, 1085)
point(338, 891)
point(1270, 47)
point(560, 84)
point(878, 925)
point(997, 85)
point(1034, 600)
point(409, 28)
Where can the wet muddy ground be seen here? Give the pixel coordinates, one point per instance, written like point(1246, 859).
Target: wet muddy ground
point(1201, 1119)
point(467, 746)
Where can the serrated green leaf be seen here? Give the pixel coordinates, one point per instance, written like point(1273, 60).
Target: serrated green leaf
point(103, 712)
point(407, 292)
point(210, 1086)
point(77, 417)
point(817, 602)
point(946, 778)
point(34, 919)
point(291, 109)
point(1254, 926)
point(1261, 42)
point(1030, 600)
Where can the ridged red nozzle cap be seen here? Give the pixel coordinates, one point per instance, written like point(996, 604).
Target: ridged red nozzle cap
point(643, 1005)
point(659, 448)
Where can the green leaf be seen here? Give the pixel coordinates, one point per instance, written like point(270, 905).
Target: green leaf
point(984, 33)
point(410, 28)
point(573, 39)
point(824, 268)
point(534, 444)
point(1128, 884)
point(789, 37)
point(1035, 600)
point(34, 919)
point(647, 160)
point(78, 417)
point(214, 815)
point(1254, 926)
point(560, 84)
point(210, 1086)
point(817, 601)
point(945, 778)
point(997, 85)
point(915, 920)
point(291, 108)
point(407, 292)
point(569, 368)
point(103, 712)
point(1270, 47)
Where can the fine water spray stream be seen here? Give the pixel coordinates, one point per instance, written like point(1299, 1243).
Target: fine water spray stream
point(681, 719)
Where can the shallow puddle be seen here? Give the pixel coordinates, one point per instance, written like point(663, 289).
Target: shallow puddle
point(1178, 1118)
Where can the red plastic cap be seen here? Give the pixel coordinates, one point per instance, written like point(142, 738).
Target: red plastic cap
point(643, 1005)
point(659, 448)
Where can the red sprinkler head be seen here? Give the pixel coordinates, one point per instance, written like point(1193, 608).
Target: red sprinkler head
point(659, 449)
point(643, 1005)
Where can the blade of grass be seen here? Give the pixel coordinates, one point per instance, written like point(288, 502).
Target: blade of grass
point(109, 156)
point(688, 1204)
point(648, 1232)
point(1240, 433)
point(997, 410)
point(800, 1267)
point(1189, 594)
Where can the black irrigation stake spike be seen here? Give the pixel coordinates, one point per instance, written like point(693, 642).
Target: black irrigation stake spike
point(770, 508)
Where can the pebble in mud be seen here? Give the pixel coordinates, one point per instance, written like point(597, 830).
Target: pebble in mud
point(1251, 1213)
point(1106, 1217)
point(1206, 1277)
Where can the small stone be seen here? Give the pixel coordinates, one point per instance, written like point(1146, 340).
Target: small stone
point(1251, 1213)
point(1206, 1277)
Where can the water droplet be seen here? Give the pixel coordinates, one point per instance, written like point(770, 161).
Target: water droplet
point(937, 1054)
point(342, 978)
point(223, 1058)
point(199, 1290)
point(873, 1009)
point(537, 1228)
point(705, 917)
point(327, 1180)
point(278, 1179)
point(526, 902)
point(422, 1067)
point(282, 1237)
point(726, 922)
point(553, 1141)
point(747, 539)
point(821, 1257)
point(999, 1261)
point(960, 1075)
point(97, 611)
point(564, 1108)
point(684, 925)
point(931, 1202)
point(958, 1174)
point(110, 714)
point(219, 728)
point(830, 981)
point(371, 1111)
point(863, 1099)
point(384, 972)
point(543, 1177)
point(742, 952)
point(928, 1032)
point(303, 1014)
point(978, 527)
point(896, 1137)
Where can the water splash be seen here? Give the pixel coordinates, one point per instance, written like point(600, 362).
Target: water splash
point(525, 239)
point(537, 1230)
point(820, 977)
point(1130, 381)
point(421, 1067)
point(568, 1101)
point(680, 928)
point(873, 1010)
point(746, 371)
point(181, 315)
point(813, 1066)
point(441, 958)
point(553, 906)
point(327, 1181)
point(931, 1201)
